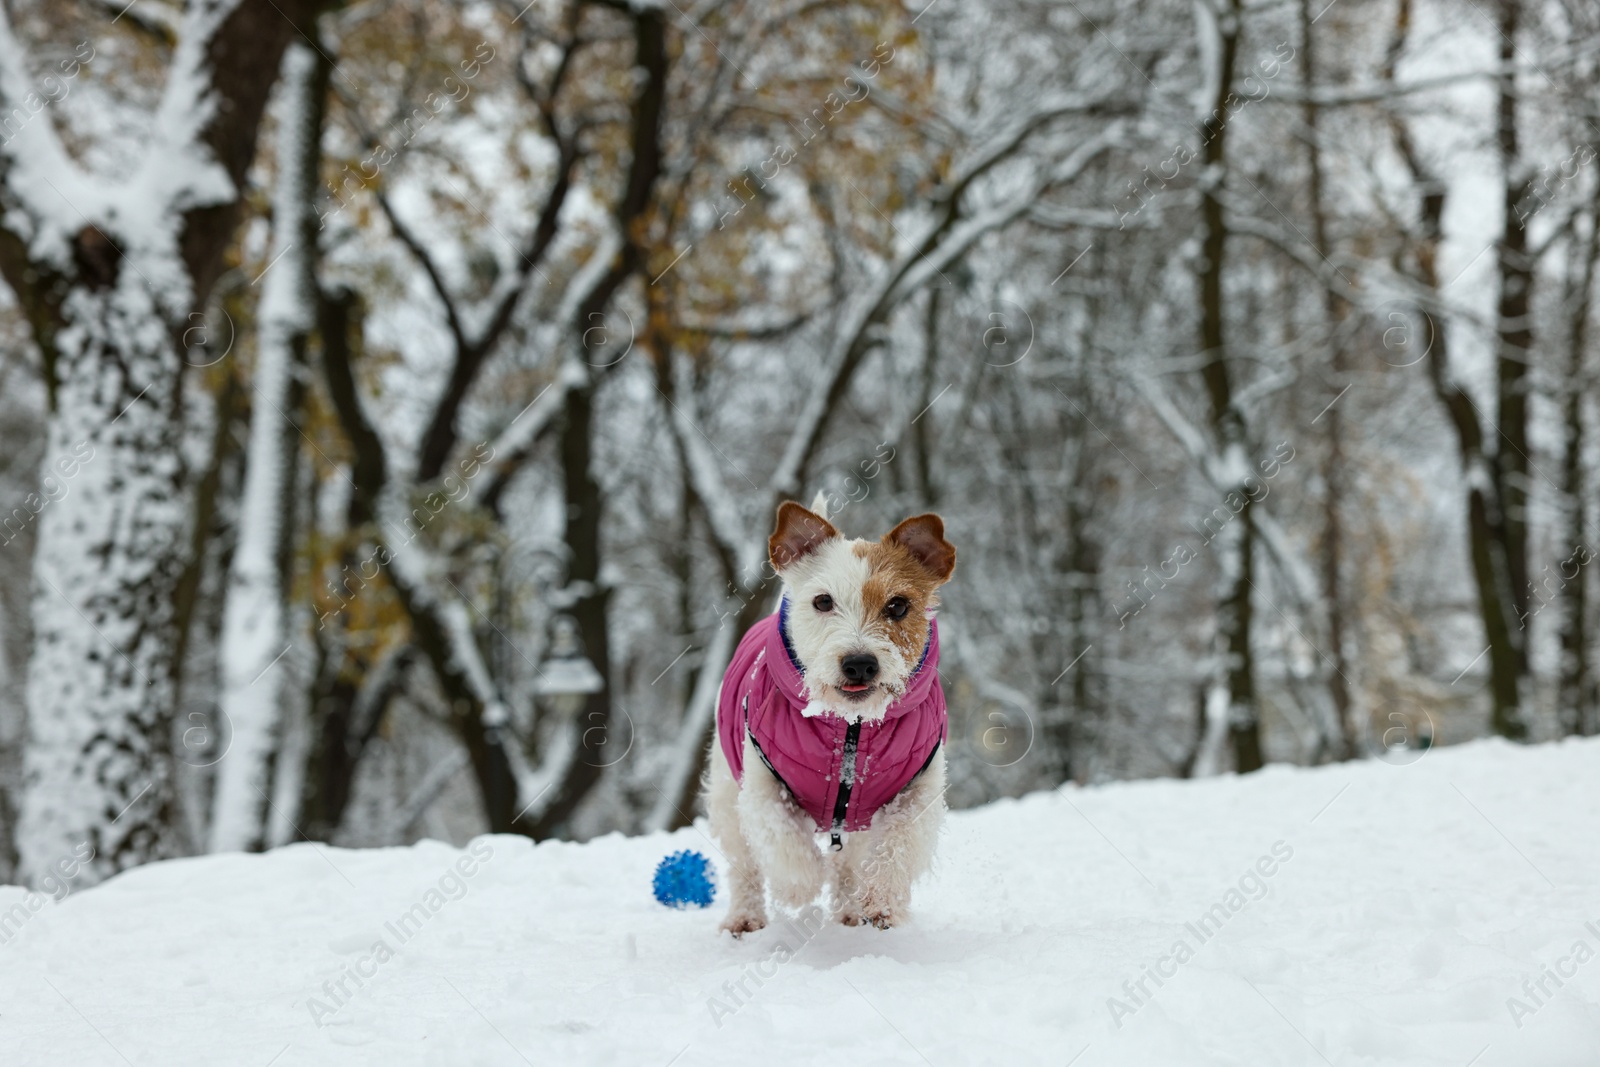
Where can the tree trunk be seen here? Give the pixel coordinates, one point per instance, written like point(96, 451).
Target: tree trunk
point(597, 746)
point(100, 684)
point(1576, 694)
point(1481, 473)
point(254, 633)
point(922, 428)
point(1081, 560)
point(331, 759)
point(1515, 351)
point(1335, 310)
point(1234, 672)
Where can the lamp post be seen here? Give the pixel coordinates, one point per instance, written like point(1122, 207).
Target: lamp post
point(566, 677)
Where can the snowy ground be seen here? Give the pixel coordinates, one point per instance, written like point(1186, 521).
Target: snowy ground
point(1405, 908)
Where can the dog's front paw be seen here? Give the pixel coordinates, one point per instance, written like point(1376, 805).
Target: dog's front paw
point(881, 909)
point(859, 914)
point(883, 920)
point(739, 925)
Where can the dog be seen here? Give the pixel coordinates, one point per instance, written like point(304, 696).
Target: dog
point(831, 721)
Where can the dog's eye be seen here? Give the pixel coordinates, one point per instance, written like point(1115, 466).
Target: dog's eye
point(823, 603)
point(897, 607)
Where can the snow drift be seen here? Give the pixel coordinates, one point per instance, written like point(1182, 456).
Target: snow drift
point(1437, 913)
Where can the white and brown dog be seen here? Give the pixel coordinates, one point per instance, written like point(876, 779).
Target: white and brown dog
point(831, 721)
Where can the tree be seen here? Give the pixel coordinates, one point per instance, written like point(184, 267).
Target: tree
point(1231, 700)
point(109, 274)
point(1497, 555)
point(255, 630)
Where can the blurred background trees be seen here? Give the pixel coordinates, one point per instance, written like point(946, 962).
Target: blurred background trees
point(395, 395)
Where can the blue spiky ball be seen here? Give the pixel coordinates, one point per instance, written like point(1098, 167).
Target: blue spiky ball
point(684, 878)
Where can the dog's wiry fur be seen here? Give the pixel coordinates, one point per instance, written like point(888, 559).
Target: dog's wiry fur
point(770, 843)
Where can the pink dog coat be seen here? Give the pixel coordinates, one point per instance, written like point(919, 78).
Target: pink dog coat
point(839, 772)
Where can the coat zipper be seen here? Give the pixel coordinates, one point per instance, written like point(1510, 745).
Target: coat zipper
point(847, 781)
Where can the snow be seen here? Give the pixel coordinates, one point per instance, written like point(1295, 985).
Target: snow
point(1208, 42)
point(1361, 913)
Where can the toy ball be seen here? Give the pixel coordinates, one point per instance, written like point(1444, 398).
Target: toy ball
point(684, 878)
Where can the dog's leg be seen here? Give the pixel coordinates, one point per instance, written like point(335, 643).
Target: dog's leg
point(899, 849)
point(747, 908)
point(845, 889)
point(779, 834)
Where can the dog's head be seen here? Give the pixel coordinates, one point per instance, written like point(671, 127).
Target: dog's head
point(858, 610)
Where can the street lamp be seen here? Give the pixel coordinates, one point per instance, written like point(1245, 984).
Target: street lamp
point(566, 677)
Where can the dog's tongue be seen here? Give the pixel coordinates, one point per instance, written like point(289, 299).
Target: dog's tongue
point(859, 687)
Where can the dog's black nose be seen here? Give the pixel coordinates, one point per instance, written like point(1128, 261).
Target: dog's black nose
point(859, 668)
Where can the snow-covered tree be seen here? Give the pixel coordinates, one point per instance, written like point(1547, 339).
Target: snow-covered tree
point(112, 258)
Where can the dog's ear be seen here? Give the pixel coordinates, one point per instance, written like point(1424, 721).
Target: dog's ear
point(798, 534)
point(923, 537)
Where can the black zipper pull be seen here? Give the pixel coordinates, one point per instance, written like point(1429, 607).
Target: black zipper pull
point(847, 781)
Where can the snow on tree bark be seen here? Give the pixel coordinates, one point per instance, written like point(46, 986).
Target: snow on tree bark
point(1233, 681)
point(254, 637)
point(99, 760)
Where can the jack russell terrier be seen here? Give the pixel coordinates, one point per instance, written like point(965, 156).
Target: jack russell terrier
point(831, 721)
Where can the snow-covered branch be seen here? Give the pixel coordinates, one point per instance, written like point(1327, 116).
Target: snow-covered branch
point(1221, 477)
point(510, 448)
point(32, 155)
point(722, 513)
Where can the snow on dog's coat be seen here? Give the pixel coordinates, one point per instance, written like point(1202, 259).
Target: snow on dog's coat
point(843, 683)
